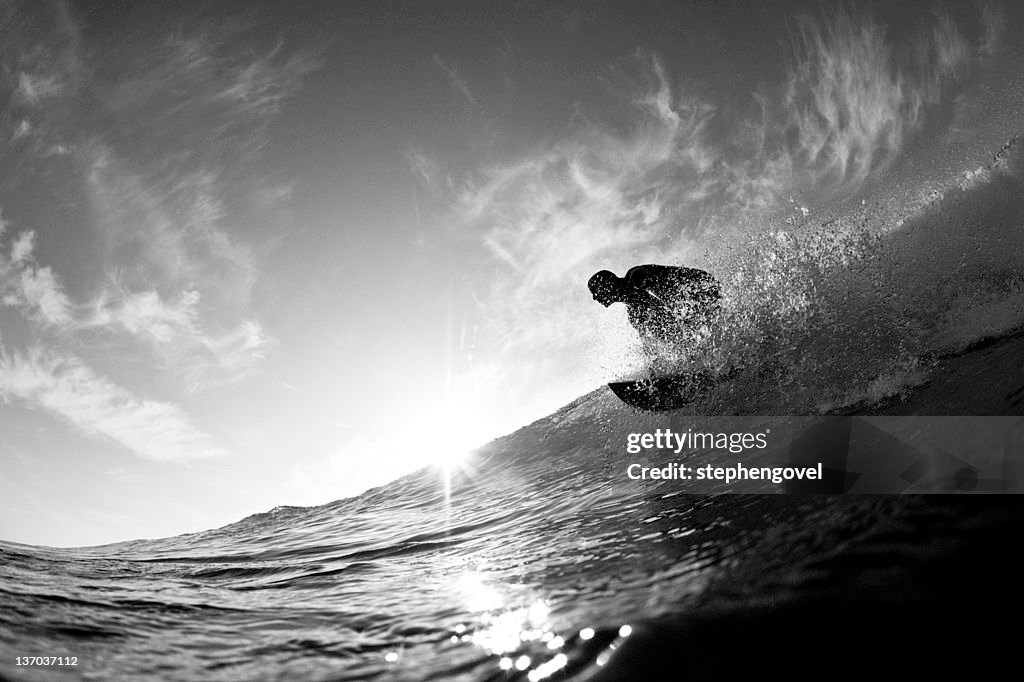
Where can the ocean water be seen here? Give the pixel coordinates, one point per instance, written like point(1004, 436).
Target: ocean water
point(531, 570)
point(536, 558)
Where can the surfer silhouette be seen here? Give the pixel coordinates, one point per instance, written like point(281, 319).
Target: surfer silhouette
point(665, 304)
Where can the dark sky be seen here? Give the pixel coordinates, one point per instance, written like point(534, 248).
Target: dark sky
point(274, 253)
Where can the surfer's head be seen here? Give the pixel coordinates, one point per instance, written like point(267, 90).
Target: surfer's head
point(606, 288)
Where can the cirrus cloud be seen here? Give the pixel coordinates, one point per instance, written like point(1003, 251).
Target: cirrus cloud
point(65, 387)
point(152, 143)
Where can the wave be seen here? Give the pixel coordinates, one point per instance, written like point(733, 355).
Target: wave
point(857, 302)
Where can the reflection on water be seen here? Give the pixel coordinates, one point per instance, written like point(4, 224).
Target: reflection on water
point(522, 636)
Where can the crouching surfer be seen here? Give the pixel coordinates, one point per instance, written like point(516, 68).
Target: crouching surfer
point(670, 307)
point(667, 305)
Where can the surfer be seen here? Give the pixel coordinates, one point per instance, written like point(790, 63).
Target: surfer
point(671, 308)
point(665, 304)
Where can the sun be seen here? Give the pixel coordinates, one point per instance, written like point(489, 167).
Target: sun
point(447, 435)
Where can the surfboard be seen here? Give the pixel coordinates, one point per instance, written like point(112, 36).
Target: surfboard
point(670, 392)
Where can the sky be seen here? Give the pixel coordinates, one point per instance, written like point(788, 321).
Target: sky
point(262, 253)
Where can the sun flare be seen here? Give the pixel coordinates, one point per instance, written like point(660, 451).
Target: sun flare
point(448, 435)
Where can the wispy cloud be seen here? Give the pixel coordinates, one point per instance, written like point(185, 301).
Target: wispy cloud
point(175, 264)
point(203, 94)
point(853, 98)
point(63, 385)
point(34, 89)
point(423, 168)
point(457, 82)
point(170, 329)
point(993, 20)
point(145, 314)
point(67, 388)
point(33, 289)
point(199, 93)
point(206, 88)
point(158, 162)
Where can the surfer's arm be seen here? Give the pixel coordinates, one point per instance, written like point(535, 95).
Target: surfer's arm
point(649, 282)
point(671, 285)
